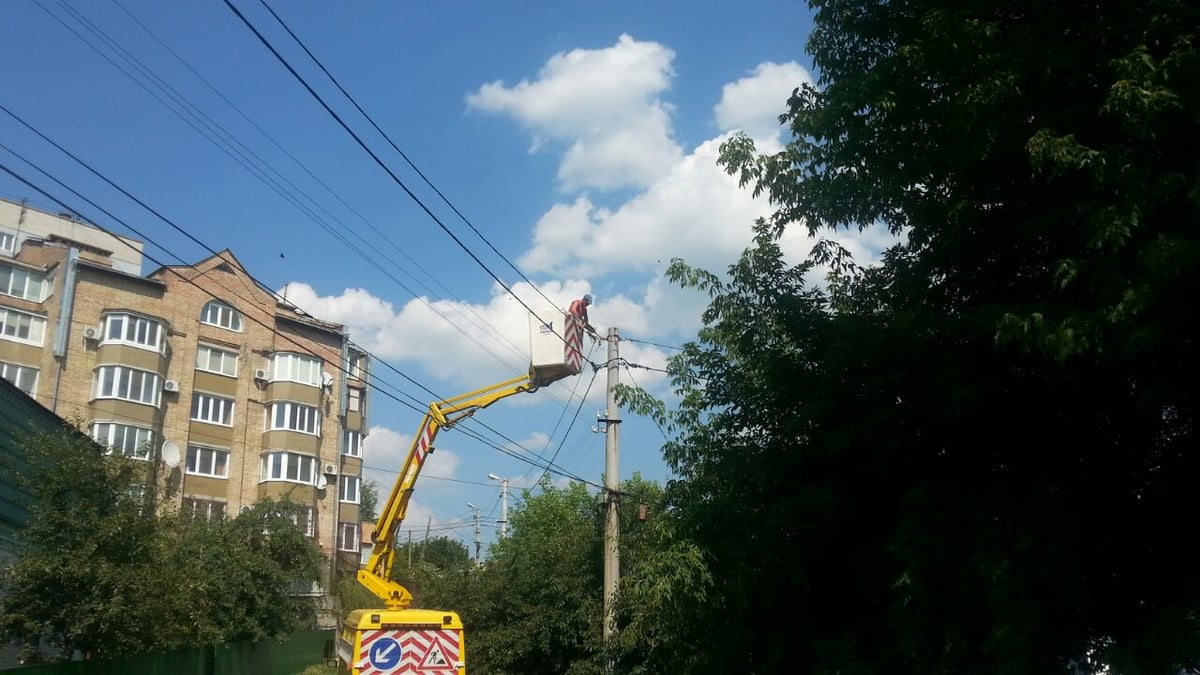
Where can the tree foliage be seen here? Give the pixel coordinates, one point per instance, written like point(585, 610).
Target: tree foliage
point(976, 456)
point(103, 574)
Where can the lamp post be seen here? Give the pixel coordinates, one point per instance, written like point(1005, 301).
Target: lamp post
point(503, 503)
point(476, 510)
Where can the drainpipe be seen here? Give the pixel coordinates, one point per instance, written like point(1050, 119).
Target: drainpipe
point(62, 332)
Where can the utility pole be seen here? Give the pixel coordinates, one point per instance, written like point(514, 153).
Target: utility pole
point(476, 510)
point(425, 542)
point(612, 484)
point(503, 504)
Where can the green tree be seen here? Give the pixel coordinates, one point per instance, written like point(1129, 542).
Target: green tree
point(973, 457)
point(102, 574)
point(535, 606)
point(369, 502)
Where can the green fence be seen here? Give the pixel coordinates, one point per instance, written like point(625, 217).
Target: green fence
point(289, 656)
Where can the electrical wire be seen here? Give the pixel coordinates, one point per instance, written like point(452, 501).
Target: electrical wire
point(396, 179)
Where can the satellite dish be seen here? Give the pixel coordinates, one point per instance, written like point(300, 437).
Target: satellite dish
point(170, 454)
point(321, 483)
point(326, 379)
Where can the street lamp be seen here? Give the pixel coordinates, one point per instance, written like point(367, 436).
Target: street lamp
point(503, 503)
point(476, 510)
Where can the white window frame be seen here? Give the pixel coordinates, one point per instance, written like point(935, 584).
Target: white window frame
point(348, 489)
point(133, 330)
point(116, 437)
point(289, 467)
point(310, 521)
point(34, 285)
point(8, 242)
point(221, 315)
point(353, 443)
point(212, 409)
point(293, 367)
point(204, 460)
point(354, 399)
point(349, 535)
point(202, 507)
point(358, 365)
point(227, 361)
point(127, 384)
point(13, 322)
point(292, 416)
point(16, 372)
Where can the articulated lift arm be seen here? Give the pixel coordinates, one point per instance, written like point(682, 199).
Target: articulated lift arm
point(377, 574)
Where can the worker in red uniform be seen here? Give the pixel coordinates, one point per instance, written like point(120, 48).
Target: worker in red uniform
point(579, 309)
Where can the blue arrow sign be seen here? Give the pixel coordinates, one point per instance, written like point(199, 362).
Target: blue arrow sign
point(384, 653)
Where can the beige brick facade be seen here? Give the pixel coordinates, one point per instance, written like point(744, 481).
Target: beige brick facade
point(269, 401)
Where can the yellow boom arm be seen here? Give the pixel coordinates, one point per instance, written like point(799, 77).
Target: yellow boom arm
point(377, 574)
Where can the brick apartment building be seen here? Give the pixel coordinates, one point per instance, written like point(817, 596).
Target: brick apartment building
point(233, 394)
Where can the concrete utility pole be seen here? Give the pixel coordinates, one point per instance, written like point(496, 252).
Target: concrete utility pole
point(476, 510)
point(503, 504)
point(612, 484)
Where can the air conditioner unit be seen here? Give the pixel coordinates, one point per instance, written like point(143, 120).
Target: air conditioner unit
point(90, 333)
point(260, 373)
point(170, 385)
point(330, 469)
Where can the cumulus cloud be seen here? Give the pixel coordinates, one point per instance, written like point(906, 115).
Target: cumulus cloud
point(384, 451)
point(604, 105)
point(753, 103)
point(694, 211)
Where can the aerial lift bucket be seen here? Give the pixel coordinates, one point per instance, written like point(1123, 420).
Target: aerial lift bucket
point(556, 345)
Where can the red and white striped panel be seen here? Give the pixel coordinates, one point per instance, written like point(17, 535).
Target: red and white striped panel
point(430, 652)
point(573, 344)
point(423, 652)
point(423, 442)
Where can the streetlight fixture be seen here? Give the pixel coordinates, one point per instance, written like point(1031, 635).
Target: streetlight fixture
point(503, 503)
point(476, 510)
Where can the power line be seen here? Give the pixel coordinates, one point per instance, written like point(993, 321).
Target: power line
point(417, 200)
point(78, 213)
point(262, 170)
point(402, 154)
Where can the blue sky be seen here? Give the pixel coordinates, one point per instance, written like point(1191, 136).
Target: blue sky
point(579, 139)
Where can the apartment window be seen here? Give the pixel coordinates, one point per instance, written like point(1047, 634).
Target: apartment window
point(128, 384)
point(288, 416)
point(354, 400)
point(214, 360)
point(354, 440)
point(124, 439)
point(22, 326)
point(8, 242)
point(133, 330)
point(289, 466)
point(348, 489)
point(204, 461)
point(208, 509)
point(348, 537)
point(305, 520)
point(217, 313)
point(212, 409)
point(24, 377)
point(358, 365)
point(22, 283)
point(296, 368)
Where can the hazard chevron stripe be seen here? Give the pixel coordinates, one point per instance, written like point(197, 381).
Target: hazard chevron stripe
point(418, 646)
point(423, 444)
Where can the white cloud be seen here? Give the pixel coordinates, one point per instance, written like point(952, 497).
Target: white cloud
point(384, 451)
point(753, 104)
point(604, 105)
point(694, 211)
